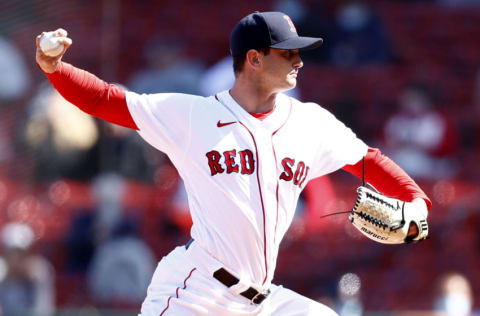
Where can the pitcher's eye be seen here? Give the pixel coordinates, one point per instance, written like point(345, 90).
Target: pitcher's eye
point(292, 53)
point(288, 54)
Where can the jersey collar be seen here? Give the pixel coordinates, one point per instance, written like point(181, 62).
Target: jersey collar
point(273, 122)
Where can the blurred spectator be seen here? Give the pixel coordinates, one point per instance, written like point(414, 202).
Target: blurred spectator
point(14, 85)
point(313, 19)
point(358, 37)
point(91, 227)
point(15, 78)
point(26, 279)
point(419, 138)
point(414, 1)
point(349, 303)
point(60, 138)
point(121, 268)
point(296, 9)
point(169, 219)
point(218, 77)
point(167, 69)
point(124, 152)
point(108, 190)
point(455, 296)
point(456, 3)
point(349, 110)
point(469, 122)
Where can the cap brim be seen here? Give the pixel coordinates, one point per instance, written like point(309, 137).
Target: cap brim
point(299, 42)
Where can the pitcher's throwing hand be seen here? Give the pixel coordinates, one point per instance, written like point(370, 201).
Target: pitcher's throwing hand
point(49, 63)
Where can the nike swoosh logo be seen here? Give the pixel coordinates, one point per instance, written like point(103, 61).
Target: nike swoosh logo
point(220, 124)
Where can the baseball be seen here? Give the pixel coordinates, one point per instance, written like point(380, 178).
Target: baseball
point(49, 44)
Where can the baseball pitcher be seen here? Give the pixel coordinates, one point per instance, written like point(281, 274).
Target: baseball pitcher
point(245, 155)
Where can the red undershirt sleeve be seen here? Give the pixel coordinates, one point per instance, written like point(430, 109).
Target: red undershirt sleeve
point(387, 177)
point(92, 95)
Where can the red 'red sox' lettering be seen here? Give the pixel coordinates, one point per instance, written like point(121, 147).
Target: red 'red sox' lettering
point(287, 164)
point(214, 162)
point(247, 162)
point(298, 176)
point(297, 173)
point(230, 161)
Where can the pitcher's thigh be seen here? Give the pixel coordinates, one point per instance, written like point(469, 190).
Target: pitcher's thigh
point(170, 292)
point(285, 302)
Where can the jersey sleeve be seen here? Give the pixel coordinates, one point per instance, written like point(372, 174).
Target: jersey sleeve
point(337, 145)
point(386, 176)
point(163, 119)
point(91, 94)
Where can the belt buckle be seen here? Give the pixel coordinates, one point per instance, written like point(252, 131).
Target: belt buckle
point(261, 296)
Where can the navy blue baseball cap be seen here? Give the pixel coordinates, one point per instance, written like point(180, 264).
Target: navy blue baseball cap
point(268, 29)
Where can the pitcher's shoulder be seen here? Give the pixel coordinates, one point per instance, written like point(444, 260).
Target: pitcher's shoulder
point(169, 98)
point(309, 109)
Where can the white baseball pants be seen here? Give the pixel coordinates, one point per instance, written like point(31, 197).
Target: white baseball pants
point(183, 284)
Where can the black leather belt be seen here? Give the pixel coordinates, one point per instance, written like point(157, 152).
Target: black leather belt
point(229, 280)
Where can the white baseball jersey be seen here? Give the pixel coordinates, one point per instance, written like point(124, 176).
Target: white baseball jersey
point(243, 176)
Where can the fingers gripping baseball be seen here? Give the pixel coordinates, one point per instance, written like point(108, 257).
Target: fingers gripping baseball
point(51, 46)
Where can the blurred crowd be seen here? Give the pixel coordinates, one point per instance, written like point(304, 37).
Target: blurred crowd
point(87, 208)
